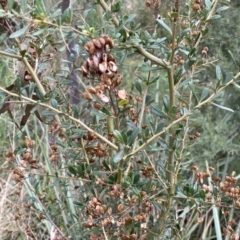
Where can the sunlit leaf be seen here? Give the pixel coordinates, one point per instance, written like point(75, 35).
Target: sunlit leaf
point(222, 107)
point(164, 25)
point(118, 157)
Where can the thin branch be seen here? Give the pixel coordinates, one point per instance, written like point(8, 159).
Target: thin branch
point(180, 119)
point(214, 2)
point(11, 55)
point(140, 49)
point(155, 171)
point(219, 90)
point(61, 113)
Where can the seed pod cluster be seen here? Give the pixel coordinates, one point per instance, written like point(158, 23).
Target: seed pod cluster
point(102, 65)
point(198, 5)
point(178, 61)
point(205, 51)
point(194, 136)
point(99, 61)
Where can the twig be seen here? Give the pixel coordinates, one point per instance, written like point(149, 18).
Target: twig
point(61, 113)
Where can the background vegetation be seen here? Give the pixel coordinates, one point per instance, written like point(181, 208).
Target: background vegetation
point(119, 120)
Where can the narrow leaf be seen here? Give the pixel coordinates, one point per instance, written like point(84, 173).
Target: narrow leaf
point(157, 110)
point(231, 54)
point(192, 87)
point(205, 94)
point(222, 107)
point(118, 157)
point(138, 86)
point(19, 33)
point(208, 4)
point(219, 73)
point(164, 25)
point(223, 8)
point(118, 136)
point(133, 136)
point(116, 7)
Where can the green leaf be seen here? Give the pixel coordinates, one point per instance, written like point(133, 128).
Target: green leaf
point(72, 170)
point(204, 95)
point(215, 17)
point(31, 88)
point(116, 7)
point(54, 102)
point(23, 4)
point(160, 40)
point(75, 111)
point(67, 16)
point(157, 110)
point(166, 103)
point(138, 86)
point(118, 136)
point(149, 68)
point(19, 33)
point(228, 77)
point(47, 113)
point(219, 73)
point(208, 4)
point(223, 8)
point(233, 58)
point(106, 111)
point(164, 25)
point(192, 87)
point(133, 136)
point(40, 7)
point(136, 178)
point(123, 102)
point(118, 157)
point(222, 107)
point(4, 71)
point(10, 4)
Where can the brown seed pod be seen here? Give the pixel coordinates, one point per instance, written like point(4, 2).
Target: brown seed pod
point(92, 90)
point(102, 67)
point(97, 43)
point(88, 45)
point(112, 66)
point(108, 41)
point(95, 61)
point(108, 82)
point(148, 4)
point(98, 106)
point(173, 46)
point(195, 33)
point(110, 58)
point(206, 48)
point(102, 41)
point(92, 50)
point(204, 52)
point(196, 7)
point(87, 96)
point(84, 69)
point(197, 134)
point(181, 62)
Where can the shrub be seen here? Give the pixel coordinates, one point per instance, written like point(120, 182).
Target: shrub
point(101, 152)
